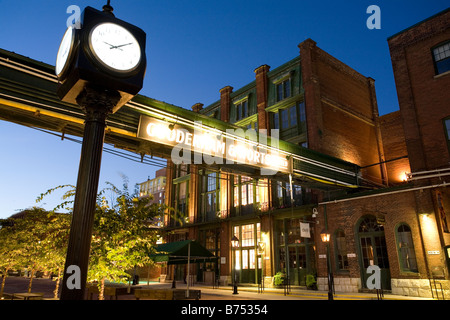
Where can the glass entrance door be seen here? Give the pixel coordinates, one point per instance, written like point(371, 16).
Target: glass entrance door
point(297, 265)
point(249, 273)
point(373, 250)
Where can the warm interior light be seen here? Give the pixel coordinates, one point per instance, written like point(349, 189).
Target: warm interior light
point(235, 242)
point(404, 177)
point(325, 236)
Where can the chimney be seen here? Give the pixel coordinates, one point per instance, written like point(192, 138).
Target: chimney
point(197, 107)
point(225, 102)
point(261, 96)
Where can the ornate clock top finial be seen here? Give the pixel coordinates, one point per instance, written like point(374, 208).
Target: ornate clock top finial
point(107, 8)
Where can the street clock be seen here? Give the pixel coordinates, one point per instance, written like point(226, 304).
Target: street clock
point(105, 52)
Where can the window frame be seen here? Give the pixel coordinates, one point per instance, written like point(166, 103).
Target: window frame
point(209, 190)
point(283, 89)
point(447, 131)
point(438, 62)
point(401, 260)
point(342, 262)
point(241, 109)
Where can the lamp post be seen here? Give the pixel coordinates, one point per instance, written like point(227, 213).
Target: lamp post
point(325, 236)
point(234, 244)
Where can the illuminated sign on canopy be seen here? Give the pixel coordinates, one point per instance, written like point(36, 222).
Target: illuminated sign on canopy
point(213, 146)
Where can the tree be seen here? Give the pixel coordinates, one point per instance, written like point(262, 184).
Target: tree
point(34, 240)
point(123, 233)
point(9, 250)
point(55, 246)
point(123, 236)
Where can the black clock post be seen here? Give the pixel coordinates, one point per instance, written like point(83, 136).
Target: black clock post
point(97, 104)
point(99, 90)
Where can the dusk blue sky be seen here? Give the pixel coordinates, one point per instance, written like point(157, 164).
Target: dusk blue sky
point(194, 48)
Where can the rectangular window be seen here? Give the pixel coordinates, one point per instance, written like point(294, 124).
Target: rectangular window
point(211, 181)
point(302, 112)
point(288, 117)
point(447, 131)
point(244, 259)
point(252, 261)
point(248, 235)
point(279, 189)
point(447, 128)
point(250, 193)
point(441, 55)
point(341, 251)
point(276, 121)
point(405, 246)
point(244, 195)
point(242, 110)
point(287, 88)
point(283, 89)
point(279, 92)
point(293, 115)
point(284, 119)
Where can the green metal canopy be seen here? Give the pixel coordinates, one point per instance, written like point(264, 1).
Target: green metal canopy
point(181, 252)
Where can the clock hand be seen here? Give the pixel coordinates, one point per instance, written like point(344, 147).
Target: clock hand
point(112, 46)
point(123, 45)
point(109, 44)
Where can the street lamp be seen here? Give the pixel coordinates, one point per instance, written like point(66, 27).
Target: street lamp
point(234, 244)
point(325, 236)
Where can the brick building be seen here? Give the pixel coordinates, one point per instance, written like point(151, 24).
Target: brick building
point(315, 101)
point(395, 219)
point(154, 187)
point(403, 229)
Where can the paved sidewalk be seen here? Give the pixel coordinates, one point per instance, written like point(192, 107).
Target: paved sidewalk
point(47, 286)
point(294, 294)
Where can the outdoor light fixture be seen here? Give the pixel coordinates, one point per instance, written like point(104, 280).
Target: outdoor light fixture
point(234, 244)
point(325, 236)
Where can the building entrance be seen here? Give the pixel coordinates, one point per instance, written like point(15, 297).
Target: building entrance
point(373, 250)
point(297, 265)
point(247, 261)
point(295, 253)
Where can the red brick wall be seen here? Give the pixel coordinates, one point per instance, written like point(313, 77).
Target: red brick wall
point(341, 110)
point(395, 209)
point(394, 147)
point(424, 98)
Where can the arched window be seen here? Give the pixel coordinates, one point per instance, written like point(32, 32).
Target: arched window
point(341, 250)
point(405, 247)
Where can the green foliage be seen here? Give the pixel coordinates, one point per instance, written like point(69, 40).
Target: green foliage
point(123, 235)
point(35, 241)
point(278, 278)
point(311, 282)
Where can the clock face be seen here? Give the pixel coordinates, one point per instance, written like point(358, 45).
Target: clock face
point(115, 47)
point(65, 51)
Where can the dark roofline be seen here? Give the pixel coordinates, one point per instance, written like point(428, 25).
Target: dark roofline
point(418, 23)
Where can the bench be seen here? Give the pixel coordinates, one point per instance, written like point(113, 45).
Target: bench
point(23, 296)
point(111, 291)
point(166, 294)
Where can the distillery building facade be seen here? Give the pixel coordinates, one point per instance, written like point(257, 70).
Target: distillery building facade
point(395, 218)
